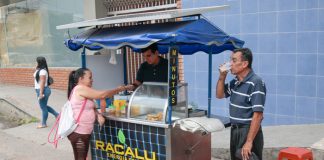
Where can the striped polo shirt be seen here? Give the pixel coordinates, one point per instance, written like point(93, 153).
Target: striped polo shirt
point(246, 97)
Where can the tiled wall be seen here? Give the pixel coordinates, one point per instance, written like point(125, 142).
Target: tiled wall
point(287, 39)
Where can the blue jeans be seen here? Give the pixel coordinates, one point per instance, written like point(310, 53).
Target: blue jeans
point(43, 105)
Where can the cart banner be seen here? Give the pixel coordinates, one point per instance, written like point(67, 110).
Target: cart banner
point(127, 141)
point(173, 71)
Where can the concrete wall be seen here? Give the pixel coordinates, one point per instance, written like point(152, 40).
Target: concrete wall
point(47, 41)
point(94, 9)
point(26, 35)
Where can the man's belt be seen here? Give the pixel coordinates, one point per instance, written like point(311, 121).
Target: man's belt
point(240, 125)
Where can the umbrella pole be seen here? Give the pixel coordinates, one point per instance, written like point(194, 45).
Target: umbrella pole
point(83, 58)
point(210, 62)
point(125, 65)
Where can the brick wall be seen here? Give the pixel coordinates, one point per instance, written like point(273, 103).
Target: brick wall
point(24, 76)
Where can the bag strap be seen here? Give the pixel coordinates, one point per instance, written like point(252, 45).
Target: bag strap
point(54, 128)
point(83, 106)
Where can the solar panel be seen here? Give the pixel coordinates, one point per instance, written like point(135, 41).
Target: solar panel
point(147, 16)
point(115, 7)
point(145, 9)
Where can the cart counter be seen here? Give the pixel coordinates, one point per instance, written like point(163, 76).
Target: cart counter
point(141, 132)
point(126, 139)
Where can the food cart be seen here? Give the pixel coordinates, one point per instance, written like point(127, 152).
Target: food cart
point(144, 128)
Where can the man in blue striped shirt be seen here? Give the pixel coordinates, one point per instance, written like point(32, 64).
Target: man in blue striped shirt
point(247, 94)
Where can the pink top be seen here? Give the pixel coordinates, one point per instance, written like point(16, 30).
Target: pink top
point(88, 116)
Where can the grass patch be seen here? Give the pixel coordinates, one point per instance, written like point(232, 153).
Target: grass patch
point(26, 121)
point(14, 122)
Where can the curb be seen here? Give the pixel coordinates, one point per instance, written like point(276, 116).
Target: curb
point(12, 112)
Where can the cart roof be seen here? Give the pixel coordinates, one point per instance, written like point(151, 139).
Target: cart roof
point(191, 36)
point(145, 16)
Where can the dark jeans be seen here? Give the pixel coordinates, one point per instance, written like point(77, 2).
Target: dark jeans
point(80, 145)
point(43, 105)
point(238, 138)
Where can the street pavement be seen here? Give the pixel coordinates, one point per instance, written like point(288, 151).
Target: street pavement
point(25, 142)
point(28, 143)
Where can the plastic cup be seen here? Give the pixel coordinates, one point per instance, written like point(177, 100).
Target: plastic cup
point(103, 105)
point(117, 108)
point(117, 113)
point(122, 102)
point(225, 67)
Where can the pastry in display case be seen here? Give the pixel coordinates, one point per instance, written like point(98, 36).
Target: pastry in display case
point(149, 102)
point(155, 117)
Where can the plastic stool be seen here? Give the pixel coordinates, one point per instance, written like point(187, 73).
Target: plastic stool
point(294, 153)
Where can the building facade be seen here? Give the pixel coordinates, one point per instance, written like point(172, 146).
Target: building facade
point(27, 30)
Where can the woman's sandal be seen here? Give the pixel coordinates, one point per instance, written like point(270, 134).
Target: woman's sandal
point(41, 126)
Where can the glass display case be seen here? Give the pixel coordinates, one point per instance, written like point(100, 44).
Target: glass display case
point(149, 102)
point(180, 110)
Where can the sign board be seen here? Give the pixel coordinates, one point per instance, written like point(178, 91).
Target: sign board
point(173, 75)
point(128, 141)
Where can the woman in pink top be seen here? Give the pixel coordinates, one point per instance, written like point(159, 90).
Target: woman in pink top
point(79, 88)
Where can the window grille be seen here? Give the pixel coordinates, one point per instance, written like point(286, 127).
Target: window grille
point(122, 7)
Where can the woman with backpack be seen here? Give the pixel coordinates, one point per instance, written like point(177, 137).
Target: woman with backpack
point(81, 95)
point(42, 82)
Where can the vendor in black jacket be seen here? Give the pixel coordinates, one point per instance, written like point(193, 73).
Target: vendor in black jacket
point(155, 69)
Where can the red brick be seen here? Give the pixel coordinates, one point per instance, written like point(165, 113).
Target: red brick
point(24, 76)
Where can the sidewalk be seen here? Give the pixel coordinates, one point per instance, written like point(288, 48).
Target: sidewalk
point(28, 143)
point(276, 138)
